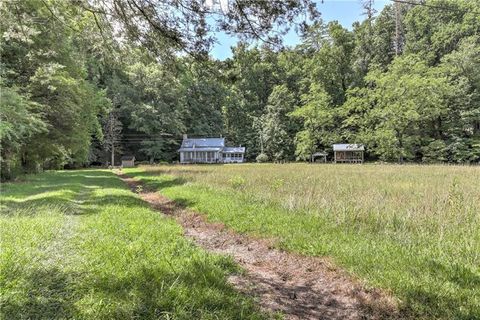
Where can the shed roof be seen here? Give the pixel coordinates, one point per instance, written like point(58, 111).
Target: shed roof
point(320, 154)
point(348, 147)
point(234, 150)
point(128, 158)
point(203, 143)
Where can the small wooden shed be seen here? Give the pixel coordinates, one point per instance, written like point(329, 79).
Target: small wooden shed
point(128, 161)
point(348, 153)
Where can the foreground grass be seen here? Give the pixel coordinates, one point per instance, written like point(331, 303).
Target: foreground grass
point(414, 230)
point(80, 245)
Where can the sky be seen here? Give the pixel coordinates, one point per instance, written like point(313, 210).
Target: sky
point(344, 11)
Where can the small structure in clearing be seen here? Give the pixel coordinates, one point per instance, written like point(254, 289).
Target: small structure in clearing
point(319, 157)
point(209, 150)
point(128, 161)
point(349, 153)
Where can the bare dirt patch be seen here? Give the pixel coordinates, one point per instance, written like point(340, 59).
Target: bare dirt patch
point(297, 286)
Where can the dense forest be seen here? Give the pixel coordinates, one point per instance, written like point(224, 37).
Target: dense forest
point(78, 79)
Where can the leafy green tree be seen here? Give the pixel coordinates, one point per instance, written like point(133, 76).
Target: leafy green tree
point(277, 129)
point(463, 123)
point(331, 65)
point(202, 93)
point(383, 50)
point(182, 25)
point(70, 108)
point(41, 58)
point(157, 112)
point(408, 105)
point(20, 120)
point(319, 122)
point(252, 76)
point(432, 32)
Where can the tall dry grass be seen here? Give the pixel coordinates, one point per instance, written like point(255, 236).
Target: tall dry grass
point(432, 199)
point(411, 229)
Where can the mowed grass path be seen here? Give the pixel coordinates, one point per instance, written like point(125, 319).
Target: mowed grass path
point(80, 245)
point(414, 230)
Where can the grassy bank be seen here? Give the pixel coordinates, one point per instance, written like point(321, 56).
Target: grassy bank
point(414, 230)
point(80, 245)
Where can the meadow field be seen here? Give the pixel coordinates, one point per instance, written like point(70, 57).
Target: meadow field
point(411, 230)
point(81, 245)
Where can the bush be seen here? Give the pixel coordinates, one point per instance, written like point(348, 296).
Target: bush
point(262, 157)
point(435, 151)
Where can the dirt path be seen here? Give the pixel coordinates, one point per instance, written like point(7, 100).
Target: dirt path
point(299, 287)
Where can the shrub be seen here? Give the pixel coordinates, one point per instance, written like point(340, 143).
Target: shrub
point(262, 157)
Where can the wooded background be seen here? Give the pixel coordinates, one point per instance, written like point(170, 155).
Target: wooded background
point(79, 77)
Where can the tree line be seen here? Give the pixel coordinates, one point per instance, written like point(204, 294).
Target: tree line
point(77, 80)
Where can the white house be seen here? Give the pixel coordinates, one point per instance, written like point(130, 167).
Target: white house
point(209, 150)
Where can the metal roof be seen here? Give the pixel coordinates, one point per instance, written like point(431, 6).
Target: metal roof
point(200, 149)
point(234, 150)
point(348, 147)
point(203, 143)
point(208, 144)
point(320, 154)
point(128, 158)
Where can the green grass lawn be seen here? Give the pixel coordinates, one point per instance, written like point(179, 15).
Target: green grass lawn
point(413, 230)
point(79, 244)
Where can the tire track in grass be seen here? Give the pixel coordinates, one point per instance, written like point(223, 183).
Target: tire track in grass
point(59, 251)
point(48, 279)
point(297, 286)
